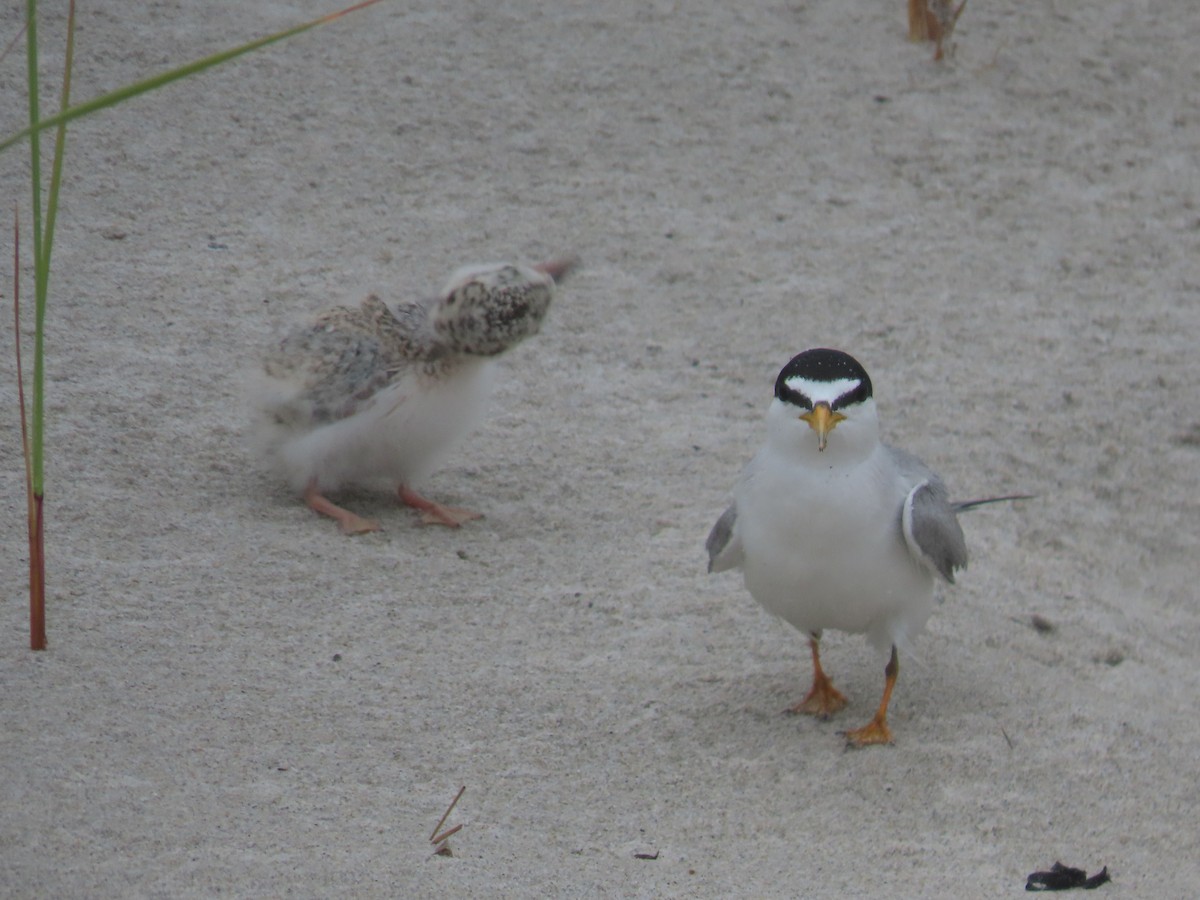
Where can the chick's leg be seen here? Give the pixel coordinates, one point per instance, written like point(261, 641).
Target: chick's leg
point(433, 513)
point(349, 522)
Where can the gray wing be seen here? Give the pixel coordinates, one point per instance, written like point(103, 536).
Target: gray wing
point(327, 369)
point(928, 518)
point(723, 545)
point(931, 528)
point(328, 373)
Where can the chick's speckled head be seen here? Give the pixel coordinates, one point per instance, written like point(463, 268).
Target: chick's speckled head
point(484, 310)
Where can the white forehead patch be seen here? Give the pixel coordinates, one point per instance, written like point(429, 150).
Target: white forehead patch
point(822, 391)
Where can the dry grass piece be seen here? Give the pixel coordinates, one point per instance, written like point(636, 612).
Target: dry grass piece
point(439, 841)
point(918, 20)
point(933, 20)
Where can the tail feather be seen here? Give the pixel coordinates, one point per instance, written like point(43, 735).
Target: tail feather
point(962, 505)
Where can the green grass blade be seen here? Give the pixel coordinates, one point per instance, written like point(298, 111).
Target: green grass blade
point(60, 142)
point(41, 259)
point(129, 91)
point(42, 274)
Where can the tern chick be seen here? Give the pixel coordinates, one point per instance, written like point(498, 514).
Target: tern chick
point(381, 394)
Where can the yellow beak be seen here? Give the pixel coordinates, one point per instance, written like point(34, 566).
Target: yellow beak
point(822, 420)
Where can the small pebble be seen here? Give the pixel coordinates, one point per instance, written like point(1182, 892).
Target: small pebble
point(1041, 624)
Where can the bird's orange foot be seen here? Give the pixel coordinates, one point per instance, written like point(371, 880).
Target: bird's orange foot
point(823, 700)
point(874, 732)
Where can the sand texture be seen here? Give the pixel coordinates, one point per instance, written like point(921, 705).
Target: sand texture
point(239, 701)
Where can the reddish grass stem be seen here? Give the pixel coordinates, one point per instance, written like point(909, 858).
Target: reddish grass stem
point(37, 560)
point(37, 578)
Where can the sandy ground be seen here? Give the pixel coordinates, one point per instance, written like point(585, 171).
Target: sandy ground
point(239, 701)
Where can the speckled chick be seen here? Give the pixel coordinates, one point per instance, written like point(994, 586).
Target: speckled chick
point(379, 394)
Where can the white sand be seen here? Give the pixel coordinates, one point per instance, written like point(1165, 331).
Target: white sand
point(239, 701)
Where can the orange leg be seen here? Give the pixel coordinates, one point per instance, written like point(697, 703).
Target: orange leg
point(349, 522)
point(876, 731)
point(823, 699)
point(434, 513)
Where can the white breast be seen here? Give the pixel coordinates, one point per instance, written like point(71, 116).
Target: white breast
point(823, 547)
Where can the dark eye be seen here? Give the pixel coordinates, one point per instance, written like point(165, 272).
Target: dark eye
point(858, 395)
point(795, 398)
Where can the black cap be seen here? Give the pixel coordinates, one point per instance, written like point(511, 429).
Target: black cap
point(823, 364)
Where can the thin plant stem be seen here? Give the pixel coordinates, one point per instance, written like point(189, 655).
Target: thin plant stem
point(41, 271)
point(37, 568)
point(37, 617)
point(12, 42)
point(33, 439)
point(17, 351)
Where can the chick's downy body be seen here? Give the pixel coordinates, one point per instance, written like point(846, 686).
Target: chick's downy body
point(379, 395)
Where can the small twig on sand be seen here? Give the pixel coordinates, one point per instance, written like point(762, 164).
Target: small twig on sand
point(440, 847)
